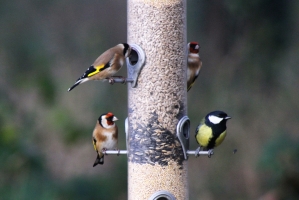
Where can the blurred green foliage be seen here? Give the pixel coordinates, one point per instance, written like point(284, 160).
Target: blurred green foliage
point(250, 56)
point(279, 166)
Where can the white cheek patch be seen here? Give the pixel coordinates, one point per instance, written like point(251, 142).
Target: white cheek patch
point(215, 119)
point(105, 125)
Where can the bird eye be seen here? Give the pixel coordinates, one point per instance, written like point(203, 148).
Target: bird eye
point(221, 115)
point(109, 118)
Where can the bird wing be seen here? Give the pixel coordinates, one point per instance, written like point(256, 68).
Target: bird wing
point(194, 65)
point(103, 62)
point(115, 134)
point(97, 69)
point(94, 142)
point(193, 81)
point(220, 139)
point(191, 85)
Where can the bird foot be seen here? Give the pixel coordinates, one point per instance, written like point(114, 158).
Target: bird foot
point(112, 79)
point(210, 153)
point(104, 151)
point(124, 80)
point(197, 152)
point(118, 152)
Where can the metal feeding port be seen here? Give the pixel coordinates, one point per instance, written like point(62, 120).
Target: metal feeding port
point(135, 62)
point(183, 133)
point(162, 195)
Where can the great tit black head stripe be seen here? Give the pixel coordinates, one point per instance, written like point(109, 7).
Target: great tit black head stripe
point(211, 143)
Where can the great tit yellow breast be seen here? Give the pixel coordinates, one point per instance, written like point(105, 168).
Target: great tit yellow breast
point(204, 134)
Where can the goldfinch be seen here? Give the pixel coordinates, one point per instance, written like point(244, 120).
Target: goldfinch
point(105, 135)
point(211, 131)
point(194, 64)
point(106, 65)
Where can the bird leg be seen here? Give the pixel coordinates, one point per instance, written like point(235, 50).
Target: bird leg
point(210, 153)
point(118, 152)
point(197, 152)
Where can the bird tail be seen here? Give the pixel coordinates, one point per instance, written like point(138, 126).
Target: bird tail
point(99, 160)
point(78, 82)
point(190, 86)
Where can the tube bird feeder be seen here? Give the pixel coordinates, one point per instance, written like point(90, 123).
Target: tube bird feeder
point(157, 168)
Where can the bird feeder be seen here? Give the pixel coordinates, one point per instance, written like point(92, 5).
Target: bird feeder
point(157, 168)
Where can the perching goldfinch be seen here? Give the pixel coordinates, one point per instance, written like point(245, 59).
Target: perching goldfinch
point(194, 64)
point(106, 65)
point(104, 136)
point(211, 131)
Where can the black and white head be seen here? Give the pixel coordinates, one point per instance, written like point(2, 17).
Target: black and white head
point(217, 117)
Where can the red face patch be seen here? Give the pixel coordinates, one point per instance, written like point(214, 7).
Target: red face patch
point(193, 47)
point(109, 117)
point(109, 114)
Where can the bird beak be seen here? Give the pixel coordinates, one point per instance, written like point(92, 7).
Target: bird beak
point(114, 119)
point(227, 118)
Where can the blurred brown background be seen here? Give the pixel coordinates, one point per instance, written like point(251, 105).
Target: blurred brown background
point(250, 70)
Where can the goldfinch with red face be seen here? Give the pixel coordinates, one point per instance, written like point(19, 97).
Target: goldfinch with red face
point(105, 135)
point(194, 64)
point(211, 131)
point(106, 65)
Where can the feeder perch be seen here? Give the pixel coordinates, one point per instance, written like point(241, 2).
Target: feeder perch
point(135, 62)
point(183, 132)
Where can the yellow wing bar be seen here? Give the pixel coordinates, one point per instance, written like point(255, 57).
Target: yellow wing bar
point(97, 70)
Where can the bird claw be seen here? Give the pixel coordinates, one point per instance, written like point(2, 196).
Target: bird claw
point(118, 152)
point(111, 80)
point(210, 153)
point(197, 152)
point(124, 81)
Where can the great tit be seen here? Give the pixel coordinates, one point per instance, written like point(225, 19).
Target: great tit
point(211, 131)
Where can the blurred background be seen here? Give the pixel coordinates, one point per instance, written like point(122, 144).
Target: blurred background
point(250, 70)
